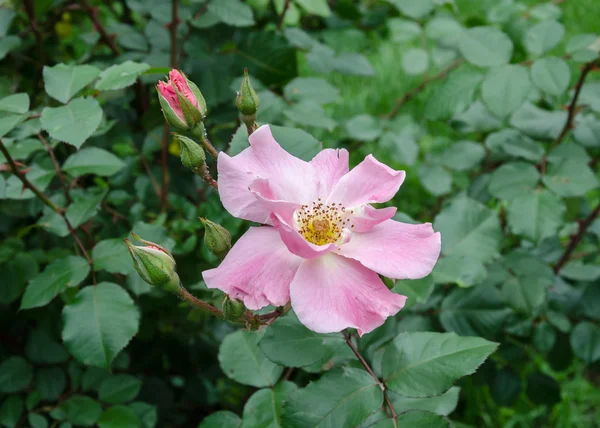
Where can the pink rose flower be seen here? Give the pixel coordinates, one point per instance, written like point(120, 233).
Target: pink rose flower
point(325, 244)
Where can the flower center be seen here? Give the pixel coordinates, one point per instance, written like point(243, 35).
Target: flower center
point(321, 223)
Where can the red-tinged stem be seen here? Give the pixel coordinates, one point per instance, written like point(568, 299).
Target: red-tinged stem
point(576, 238)
point(373, 375)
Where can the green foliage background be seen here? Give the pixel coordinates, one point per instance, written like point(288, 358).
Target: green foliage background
point(424, 86)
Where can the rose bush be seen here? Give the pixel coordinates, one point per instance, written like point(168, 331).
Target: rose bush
point(202, 221)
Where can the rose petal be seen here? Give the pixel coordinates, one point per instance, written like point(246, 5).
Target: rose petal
point(258, 269)
point(371, 181)
point(366, 217)
point(296, 243)
point(290, 179)
point(330, 166)
point(332, 293)
point(396, 250)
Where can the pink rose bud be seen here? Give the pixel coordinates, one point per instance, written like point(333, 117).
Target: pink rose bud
point(182, 102)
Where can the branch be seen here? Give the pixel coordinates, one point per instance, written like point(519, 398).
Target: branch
point(205, 175)
point(413, 92)
point(61, 176)
point(373, 375)
point(200, 304)
point(572, 111)
point(576, 238)
point(57, 209)
point(282, 16)
point(106, 38)
point(209, 147)
point(30, 10)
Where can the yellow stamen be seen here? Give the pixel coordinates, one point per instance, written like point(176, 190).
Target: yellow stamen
point(321, 223)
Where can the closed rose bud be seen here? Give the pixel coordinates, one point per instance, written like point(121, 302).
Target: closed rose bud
point(233, 309)
point(182, 102)
point(247, 100)
point(154, 264)
point(191, 153)
point(217, 238)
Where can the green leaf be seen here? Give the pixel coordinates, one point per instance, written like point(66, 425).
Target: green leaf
point(578, 271)
point(477, 311)
point(416, 290)
point(112, 255)
point(525, 294)
point(463, 155)
point(81, 410)
point(232, 12)
point(10, 411)
point(402, 148)
point(120, 76)
point(84, 207)
point(587, 130)
point(119, 417)
point(8, 44)
point(92, 160)
point(486, 46)
point(288, 343)
point(89, 331)
point(543, 36)
point(415, 61)
point(221, 419)
point(242, 360)
point(296, 142)
point(37, 421)
point(40, 178)
point(413, 9)
point(543, 389)
point(338, 399)
point(264, 408)
point(42, 348)
point(22, 149)
point(454, 95)
point(505, 89)
point(315, 7)
point(73, 123)
point(459, 270)
point(536, 214)
point(513, 179)
point(552, 75)
point(146, 413)
point(63, 273)
point(506, 387)
point(51, 382)
point(8, 122)
point(514, 143)
point(403, 30)
point(363, 127)
point(442, 404)
point(15, 375)
point(119, 389)
point(538, 123)
point(7, 14)
point(421, 418)
point(17, 103)
point(423, 364)
point(311, 88)
point(585, 341)
point(436, 179)
point(353, 64)
point(308, 113)
point(470, 230)
point(62, 81)
point(570, 178)
point(544, 337)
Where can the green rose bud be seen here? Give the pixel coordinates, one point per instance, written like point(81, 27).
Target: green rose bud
point(154, 264)
point(217, 238)
point(233, 309)
point(247, 100)
point(191, 153)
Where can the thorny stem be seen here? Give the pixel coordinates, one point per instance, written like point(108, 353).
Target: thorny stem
point(200, 304)
point(576, 238)
point(57, 209)
point(373, 375)
point(209, 147)
point(106, 38)
point(30, 10)
point(413, 92)
point(204, 173)
point(61, 176)
point(572, 111)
